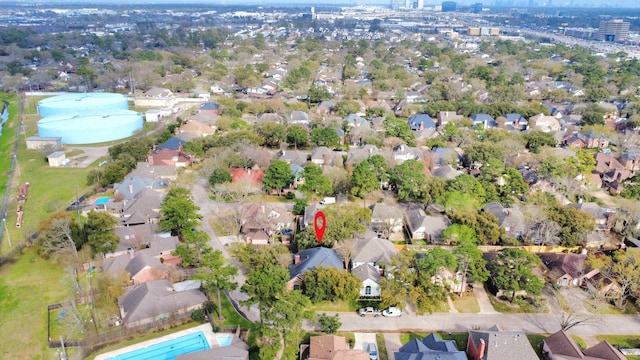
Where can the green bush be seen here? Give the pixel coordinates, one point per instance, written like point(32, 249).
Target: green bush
point(291, 195)
point(197, 315)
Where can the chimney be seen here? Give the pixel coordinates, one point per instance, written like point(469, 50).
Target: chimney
point(130, 188)
point(421, 125)
point(296, 259)
point(482, 348)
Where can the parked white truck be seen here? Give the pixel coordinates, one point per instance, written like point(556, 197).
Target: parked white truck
point(328, 200)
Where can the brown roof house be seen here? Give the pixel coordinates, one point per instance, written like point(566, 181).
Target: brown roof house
point(176, 158)
point(563, 269)
point(141, 265)
point(330, 347)
point(497, 344)
point(561, 346)
point(612, 172)
point(195, 129)
point(153, 303)
point(261, 221)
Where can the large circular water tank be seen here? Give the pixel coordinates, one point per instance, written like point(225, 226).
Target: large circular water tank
point(80, 103)
point(91, 127)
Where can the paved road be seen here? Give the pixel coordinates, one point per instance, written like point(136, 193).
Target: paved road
point(529, 323)
point(200, 192)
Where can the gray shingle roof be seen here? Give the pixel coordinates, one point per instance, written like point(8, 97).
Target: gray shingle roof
point(154, 298)
point(430, 348)
point(502, 345)
point(366, 271)
point(314, 257)
point(373, 249)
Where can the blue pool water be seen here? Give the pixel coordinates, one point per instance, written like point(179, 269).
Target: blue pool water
point(224, 340)
point(102, 201)
point(168, 350)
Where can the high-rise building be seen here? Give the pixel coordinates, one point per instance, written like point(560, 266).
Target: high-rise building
point(476, 8)
point(448, 6)
point(420, 4)
point(616, 30)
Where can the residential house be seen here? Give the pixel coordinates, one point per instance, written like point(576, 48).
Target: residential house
point(600, 214)
point(454, 281)
point(594, 282)
point(194, 129)
point(146, 170)
point(445, 117)
point(156, 97)
point(330, 347)
point(596, 140)
point(432, 347)
point(446, 156)
point(355, 120)
point(486, 120)
point(402, 153)
point(446, 172)
point(357, 155)
point(497, 344)
point(296, 157)
point(176, 158)
point(212, 108)
point(544, 123)
point(421, 226)
point(370, 278)
point(421, 122)
point(386, 218)
point(575, 141)
point(237, 350)
point(132, 185)
point(511, 219)
point(172, 143)
point(310, 259)
point(630, 160)
point(298, 117)
point(151, 303)
point(134, 237)
point(513, 121)
point(612, 172)
point(323, 156)
point(298, 173)
point(261, 221)
point(270, 118)
point(144, 208)
point(254, 177)
point(490, 257)
point(309, 215)
point(561, 346)
point(563, 269)
point(369, 249)
point(140, 265)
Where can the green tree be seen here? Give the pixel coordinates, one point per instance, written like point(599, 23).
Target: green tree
point(299, 206)
point(574, 223)
point(220, 176)
point(583, 164)
point(593, 114)
point(345, 107)
point(216, 275)
point(319, 93)
point(399, 128)
point(328, 283)
point(458, 233)
point(482, 153)
point(329, 324)
point(178, 212)
point(272, 133)
point(407, 179)
point(470, 261)
point(278, 176)
point(536, 139)
point(364, 179)
point(196, 243)
point(512, 271)
point(297, 135)
point(315, 181)
point(99, 230)
point(325, 136)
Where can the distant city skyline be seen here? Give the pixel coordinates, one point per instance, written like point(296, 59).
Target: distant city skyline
point(427, 3)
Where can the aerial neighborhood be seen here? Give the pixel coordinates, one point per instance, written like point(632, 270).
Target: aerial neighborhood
point(411, 181)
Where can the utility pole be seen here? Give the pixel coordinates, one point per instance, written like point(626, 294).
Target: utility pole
point(4, 223)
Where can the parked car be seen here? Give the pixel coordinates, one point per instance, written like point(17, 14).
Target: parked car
point(328, 200)
point(372, 350)
point(369, 311)
point(392, 311)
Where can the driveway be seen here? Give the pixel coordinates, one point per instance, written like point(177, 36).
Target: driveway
point(483, 300)
point(392, 340)
point(363, 339)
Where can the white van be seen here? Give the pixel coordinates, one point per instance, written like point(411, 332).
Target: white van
point(328, 200)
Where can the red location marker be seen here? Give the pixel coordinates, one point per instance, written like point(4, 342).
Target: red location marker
point(320, 228)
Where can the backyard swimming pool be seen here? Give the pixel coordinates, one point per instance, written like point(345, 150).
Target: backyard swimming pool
point(169, 349)
point(101, 201)
point(224, 340)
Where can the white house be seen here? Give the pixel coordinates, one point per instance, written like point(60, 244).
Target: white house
point(370, 278)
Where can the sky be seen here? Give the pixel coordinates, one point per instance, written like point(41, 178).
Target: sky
point(489, 3)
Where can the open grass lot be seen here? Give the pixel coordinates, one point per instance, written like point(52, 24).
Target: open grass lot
point(231, 316)
point(6, 142)
point(27, 287)
point(624, 342)
point(466, 304)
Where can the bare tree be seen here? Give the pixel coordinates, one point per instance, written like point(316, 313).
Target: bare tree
point(570, 320)
point(72, 322)
point(346, 249)
point(57, 241)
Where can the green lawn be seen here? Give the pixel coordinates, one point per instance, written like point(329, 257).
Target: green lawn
point(28, 286)
point(622, 341)
point(579, 341)
point(466, 304)
point(382, 347)
point(536, 342)
point(517, 307)
point(332, 306)
point(232, 318)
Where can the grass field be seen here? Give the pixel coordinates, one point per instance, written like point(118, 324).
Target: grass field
point(382, 347)
point(466, 304)
point(28, 286)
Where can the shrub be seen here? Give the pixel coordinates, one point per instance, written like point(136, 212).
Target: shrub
point(197, 315)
